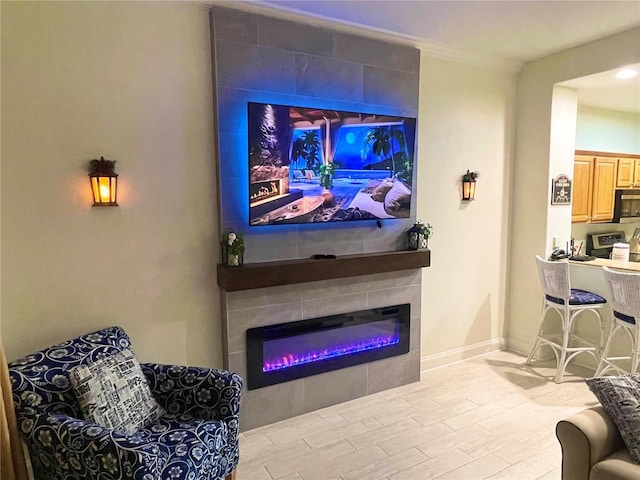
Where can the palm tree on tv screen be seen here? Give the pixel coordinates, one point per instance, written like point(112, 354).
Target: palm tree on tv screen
point(298, 151)
point(381, 142)
point(311, 144)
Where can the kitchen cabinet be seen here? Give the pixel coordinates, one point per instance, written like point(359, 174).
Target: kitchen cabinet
point(582, 187)
point(604, 180)
point(628, 175)
point(594, 181)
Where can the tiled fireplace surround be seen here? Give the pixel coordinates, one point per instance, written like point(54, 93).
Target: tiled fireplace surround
point(272, 305)
point(262, 59)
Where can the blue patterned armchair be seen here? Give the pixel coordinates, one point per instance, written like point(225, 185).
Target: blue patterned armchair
point(196, 439)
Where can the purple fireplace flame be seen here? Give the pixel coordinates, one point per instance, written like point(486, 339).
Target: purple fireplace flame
point(292, 360)
point(287, 351)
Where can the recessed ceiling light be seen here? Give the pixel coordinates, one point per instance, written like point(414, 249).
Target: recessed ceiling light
point(627, 73)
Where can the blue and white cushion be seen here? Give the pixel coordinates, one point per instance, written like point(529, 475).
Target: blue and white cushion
point(579, 297)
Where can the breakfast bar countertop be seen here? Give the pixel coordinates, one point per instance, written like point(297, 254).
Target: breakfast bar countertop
point(605, 262)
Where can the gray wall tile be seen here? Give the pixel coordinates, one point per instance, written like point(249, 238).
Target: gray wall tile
point(393, 372)
point(323, 307)
point(334, 387)
point(241, 320)
point(293, 36)
point(389, 87)
point(336, 248)
point(297, 100)
point(395, 296)
point(232, 109)
point(328, 78)
point(378, 53)
point(238, 364)
point(232, 24)
point(271, 243)
point(252, 67)
point(415, 331)
point(261, 297)
point(271, 404)
point(379, 281)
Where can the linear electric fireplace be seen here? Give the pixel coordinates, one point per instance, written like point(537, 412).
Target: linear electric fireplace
point(283, 352)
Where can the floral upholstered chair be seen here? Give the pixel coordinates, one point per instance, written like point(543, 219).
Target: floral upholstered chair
point(191, 433)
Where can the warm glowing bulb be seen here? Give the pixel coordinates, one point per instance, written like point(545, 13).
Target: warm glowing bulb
point(105, 191)
point(626, 73)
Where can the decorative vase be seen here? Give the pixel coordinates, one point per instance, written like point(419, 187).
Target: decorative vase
point(230, 259)
point(326, 180)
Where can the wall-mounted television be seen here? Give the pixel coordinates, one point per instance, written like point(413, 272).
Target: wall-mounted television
point(311, 165)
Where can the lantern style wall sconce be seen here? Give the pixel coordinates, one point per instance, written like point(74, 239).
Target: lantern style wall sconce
point(469, 185)
point(104, 182)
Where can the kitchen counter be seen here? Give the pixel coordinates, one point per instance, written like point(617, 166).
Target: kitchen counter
point(605, 262)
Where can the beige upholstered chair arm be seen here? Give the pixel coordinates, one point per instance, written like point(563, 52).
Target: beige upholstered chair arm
point(586, 438)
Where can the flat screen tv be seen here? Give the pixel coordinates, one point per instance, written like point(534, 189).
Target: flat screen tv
point(311, 165)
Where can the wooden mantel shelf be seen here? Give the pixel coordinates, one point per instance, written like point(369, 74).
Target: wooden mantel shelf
point(288, 272)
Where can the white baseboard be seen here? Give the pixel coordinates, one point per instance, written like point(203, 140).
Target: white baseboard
point(519, 346)
point(460, 354)
point(516, 345)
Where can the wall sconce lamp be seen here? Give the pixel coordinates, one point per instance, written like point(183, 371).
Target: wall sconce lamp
point(469, 185)
point(104, 182)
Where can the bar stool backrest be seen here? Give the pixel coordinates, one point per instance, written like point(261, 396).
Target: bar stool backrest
point(624, 292)
point(554, 278)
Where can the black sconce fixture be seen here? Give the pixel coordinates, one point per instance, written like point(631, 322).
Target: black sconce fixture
point(104, 182)
point(469, 185)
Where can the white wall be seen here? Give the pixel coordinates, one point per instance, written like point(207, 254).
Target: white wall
point(561, 158)
point(530, 230)
point(130, 81)
point(607, 130)
point(465, 123)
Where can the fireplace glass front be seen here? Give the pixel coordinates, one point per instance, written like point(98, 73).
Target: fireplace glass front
point(287, 351)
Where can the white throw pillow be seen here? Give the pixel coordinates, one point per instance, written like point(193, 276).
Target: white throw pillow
point(113, 392)
point(397, 202)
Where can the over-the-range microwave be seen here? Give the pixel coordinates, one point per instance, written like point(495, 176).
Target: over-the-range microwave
point(626, 207)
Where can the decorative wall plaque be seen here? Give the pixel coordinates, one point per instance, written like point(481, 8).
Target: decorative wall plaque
point(561, 190)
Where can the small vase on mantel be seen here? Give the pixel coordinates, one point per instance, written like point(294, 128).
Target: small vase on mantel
point(232, 249)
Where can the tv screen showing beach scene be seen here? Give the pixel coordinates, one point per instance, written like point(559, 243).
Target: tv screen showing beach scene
point(310, 165)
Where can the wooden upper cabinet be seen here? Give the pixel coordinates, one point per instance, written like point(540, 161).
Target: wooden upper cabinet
point(604, 181)
point(626, 173)
point(636, 173)
point(596, 175)
point(582, 188)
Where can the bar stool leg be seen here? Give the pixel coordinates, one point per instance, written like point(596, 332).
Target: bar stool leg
point(537, 343)
point(566, 333)
point(634, 352)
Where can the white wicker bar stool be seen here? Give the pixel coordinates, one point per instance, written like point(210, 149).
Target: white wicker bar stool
point(568, 303)
point(624, 300)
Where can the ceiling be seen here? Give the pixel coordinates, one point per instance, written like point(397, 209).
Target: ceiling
point(604, 90)
point(507, 32)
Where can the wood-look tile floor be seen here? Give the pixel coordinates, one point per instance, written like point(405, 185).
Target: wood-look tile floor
point(489, 417)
